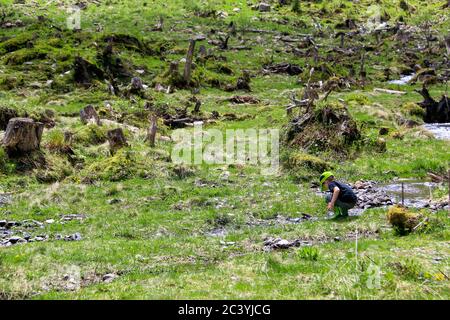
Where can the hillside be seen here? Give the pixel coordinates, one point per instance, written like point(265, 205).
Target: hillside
point(86, 213)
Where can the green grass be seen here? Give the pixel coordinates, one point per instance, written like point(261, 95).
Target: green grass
point(152, 227)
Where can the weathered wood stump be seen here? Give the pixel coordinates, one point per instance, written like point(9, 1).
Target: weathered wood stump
point(151, 133)
point(243, 83)
point(23, 135)
point(116, 140)
point(88, 114)
point(188, 65)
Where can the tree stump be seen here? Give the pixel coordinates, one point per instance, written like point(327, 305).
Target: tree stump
point(188, 65)
point(243, 82)
point(151, 133)
point(116, 140)
point(23, 135)
point(88, 114)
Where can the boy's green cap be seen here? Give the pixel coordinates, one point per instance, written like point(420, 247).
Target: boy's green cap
point(323, 177)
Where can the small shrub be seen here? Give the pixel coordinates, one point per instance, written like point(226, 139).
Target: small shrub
point(402, 219)
point(413, 109)
point(55, 140)
point(308, 253)
point(296, 6)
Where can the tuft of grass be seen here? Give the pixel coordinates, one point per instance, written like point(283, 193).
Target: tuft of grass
point(308, 253)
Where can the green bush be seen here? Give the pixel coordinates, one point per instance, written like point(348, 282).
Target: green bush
point(55, 140)
point(413, 109)
point(308, 253)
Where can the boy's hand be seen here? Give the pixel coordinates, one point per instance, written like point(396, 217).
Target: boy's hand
point(330, 206)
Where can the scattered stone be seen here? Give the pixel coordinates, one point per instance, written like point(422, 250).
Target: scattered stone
point(16, 239)
point(11, 224)
point(73, 237)
point(109, 277)
point(262, 7)
point(114, 201)
point(225, 176)
point(50, 221)
point(89, 114)
point(278, 243)
point(70, 217)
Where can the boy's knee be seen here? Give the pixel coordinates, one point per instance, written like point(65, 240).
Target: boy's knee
point(328, 198)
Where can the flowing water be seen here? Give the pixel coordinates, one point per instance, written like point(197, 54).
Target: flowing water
point(403, 80)
point(416, 193)
point(439, 130)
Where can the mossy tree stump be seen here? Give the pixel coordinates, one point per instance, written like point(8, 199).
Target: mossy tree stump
point(23, 136)
point(116, 140)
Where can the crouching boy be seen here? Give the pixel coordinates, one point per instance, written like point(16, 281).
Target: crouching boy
point(342, 197)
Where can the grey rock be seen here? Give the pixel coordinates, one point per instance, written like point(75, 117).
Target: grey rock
point(114, 201)
point(263, 7)
point(16, 239)
point(73, 237)
point(11, 224)
point(109, 277)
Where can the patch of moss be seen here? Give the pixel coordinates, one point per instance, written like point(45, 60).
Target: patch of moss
point(16, 43)
point(9, 82)
point(413, 109)
point(56, 169)
point(403, 220)
point(115, 168)
point(358, 98)
point(24, 55)
point(298, 160)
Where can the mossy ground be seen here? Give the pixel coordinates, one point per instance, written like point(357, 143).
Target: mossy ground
point(156, 236)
